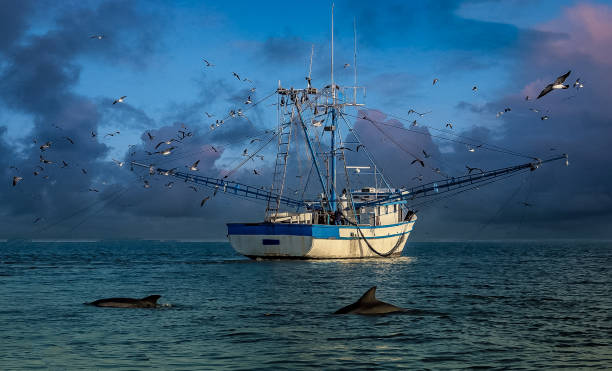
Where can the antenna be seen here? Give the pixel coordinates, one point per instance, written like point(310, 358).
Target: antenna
point(333, 87)
point(355, 59)
point(310, 68)
point(355, 48)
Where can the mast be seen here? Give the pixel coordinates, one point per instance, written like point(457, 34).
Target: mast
point(332, 186)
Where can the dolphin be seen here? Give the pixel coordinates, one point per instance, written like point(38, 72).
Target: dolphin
point(368, 304)
point(148, 302)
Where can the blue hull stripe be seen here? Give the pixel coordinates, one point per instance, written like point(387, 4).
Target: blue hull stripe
point(281, 229)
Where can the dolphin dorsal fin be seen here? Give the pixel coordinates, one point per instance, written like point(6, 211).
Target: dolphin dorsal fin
point(152, 298)
point(369, 296)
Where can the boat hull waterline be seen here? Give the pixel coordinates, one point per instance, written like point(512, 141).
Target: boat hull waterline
point(308, 241)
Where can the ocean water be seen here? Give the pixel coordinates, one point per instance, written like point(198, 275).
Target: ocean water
point(511, 305)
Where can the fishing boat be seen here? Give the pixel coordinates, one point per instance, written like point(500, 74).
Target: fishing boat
point(314, 208)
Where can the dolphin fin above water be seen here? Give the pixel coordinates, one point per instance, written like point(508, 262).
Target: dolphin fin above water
point(368, 304)
point(148, 302)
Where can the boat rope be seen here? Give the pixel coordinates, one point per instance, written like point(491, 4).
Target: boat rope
point(399, 242)
point(481, 144)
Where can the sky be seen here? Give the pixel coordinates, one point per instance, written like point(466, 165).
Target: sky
point(56, 82)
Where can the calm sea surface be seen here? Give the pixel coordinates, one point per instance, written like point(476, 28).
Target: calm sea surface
point(527, 305)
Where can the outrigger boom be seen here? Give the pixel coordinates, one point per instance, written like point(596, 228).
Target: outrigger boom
point(401, 195)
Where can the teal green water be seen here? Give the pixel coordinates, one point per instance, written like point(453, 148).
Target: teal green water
point(528, 305)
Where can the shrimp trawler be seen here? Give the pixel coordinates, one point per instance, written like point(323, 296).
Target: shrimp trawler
point(315, 208)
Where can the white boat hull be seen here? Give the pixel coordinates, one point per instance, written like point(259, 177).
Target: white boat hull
point(307, 241)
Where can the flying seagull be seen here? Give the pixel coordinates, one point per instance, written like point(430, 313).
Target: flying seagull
point(208, 64)
point(236, 76)
point(194, 188)
point(208, 114)
point(120, 100)
point(449, 125)
point(119, 163)
point(70, 140)
point(214, 149)
point(98, 37)
point(434, 81)
point(544, 118)
point(255, 172)
point(204, 200)
point(470, 169)
point(248, 101)
point(346, 65)
point(45, 146)
point(194, 166)
point(474, 88)
point(151, 137)
point(16, 179)
point(419, 161)
point(578, 85)
point(558, 84)
point(426, 154)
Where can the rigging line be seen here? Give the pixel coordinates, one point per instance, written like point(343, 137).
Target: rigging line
point(104, 205)
point(63, 219)
point(529, 186)
point(369, 154)
point(502, 207)
point(484, 146)
point(249, 157)
point(461, 136)
point(448, 195)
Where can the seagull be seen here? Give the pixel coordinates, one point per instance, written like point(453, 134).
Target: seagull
point(119, 163)
point(99, 37)
point(16, 179)
point(449, 125)
point(208, 64)
point(248, 101)
point(470, 149)
point(578, 85)
point(166, 142)
point(120, 100)
point(112, 134)
point(194, 167)
point(346, 65)
point(93, 134)
point(534, 110)
point(261, 157)
point(70, 140)
point(232, 113)
point(470, 169)
point(526, 204)
point(151, 137)
point(245, 152)
point(44, 161)
point(252, 90)
point(204, 200)
point(169, 184)
point(194, 188)
point(254, 140)
point(434, 81)
point(45, 146)
point(255, 172)
point(245, 79)
point(146, 184)
point(507, 109)
point(64, 164)
point(426, 154)
point(93, 190)
point(419, 161)
point(558, 84)
point(414, 123)
point(544, 118)
point(236, 76)
point(37, 220)
point(420, 178)
point(84, 171)
point(317, 123)
point(527, 97)
point(208, 114)
point(474, 88)
point(167, 151)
